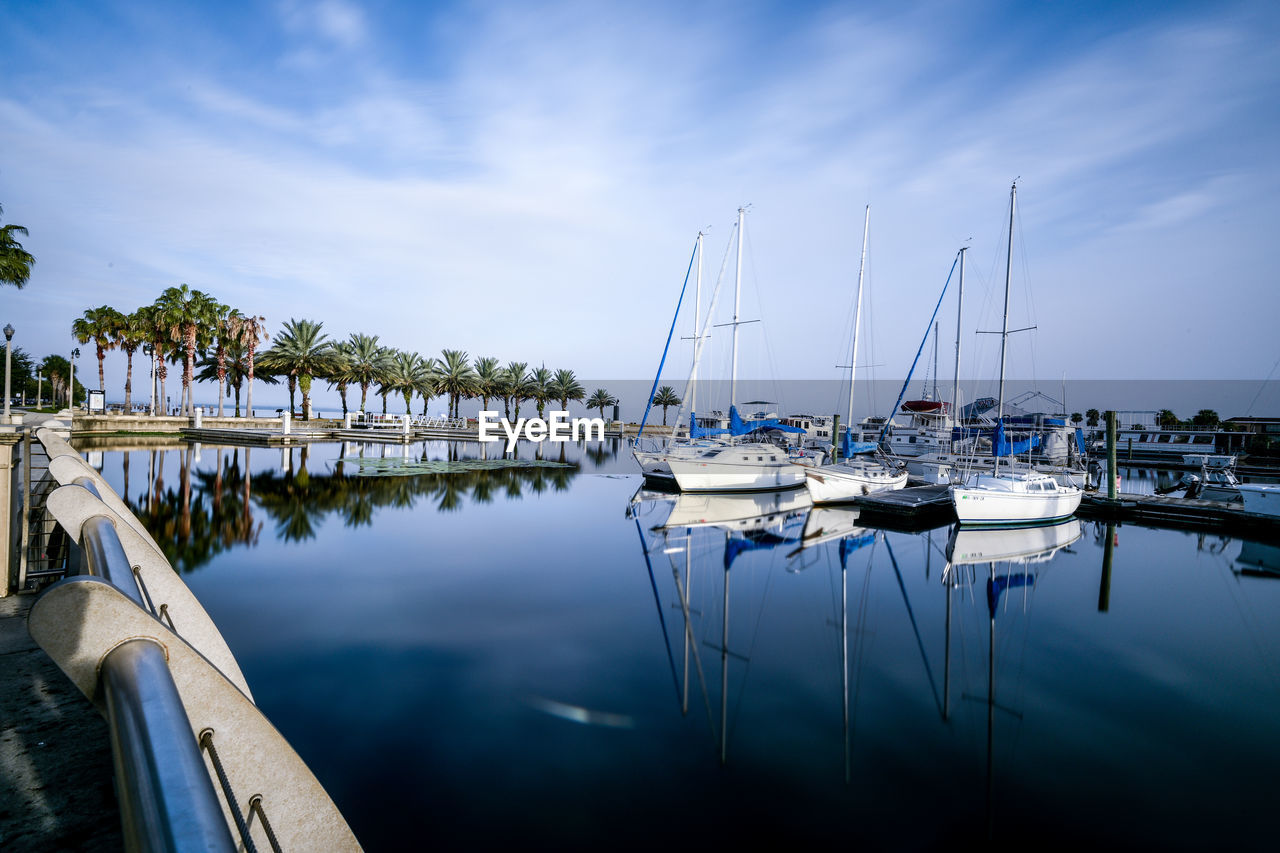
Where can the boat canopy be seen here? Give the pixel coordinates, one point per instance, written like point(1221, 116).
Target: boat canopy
point(737, 426)
point(849, 447)
point(1002, 446)
point(696, 431)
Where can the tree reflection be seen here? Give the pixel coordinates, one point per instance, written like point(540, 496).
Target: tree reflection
point(212, 510)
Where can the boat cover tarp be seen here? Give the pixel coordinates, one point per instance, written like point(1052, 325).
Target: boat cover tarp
point(1002, 446)
point(737, 426)
point(996, 587)
point(1080, 445)
point(849, 447)
point(696, 431)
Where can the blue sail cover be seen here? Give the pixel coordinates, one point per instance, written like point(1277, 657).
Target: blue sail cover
point(997, 587)
point(849, 447)
point(737, 426)
point(696, 431)
point(1002, 446)
point(1080, 445)
point(755, 541)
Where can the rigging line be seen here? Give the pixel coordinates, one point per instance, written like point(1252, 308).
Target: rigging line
point(706, 326)
point(662, 619)
point(884, 429)
point(911, 614)
point(764, 327)
point(667, 346)
point(1270, 373)
point(693, 644)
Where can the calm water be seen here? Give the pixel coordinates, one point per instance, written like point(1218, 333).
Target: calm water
point(548, 656)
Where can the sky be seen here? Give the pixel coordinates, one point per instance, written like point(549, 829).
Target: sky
point(525, 180)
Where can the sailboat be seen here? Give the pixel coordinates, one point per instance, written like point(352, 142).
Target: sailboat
point(654, 462)
point(1011, 497)
point(855, 475)
point(737, 465)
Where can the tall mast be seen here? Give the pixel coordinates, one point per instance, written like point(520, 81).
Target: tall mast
point(955, 385)
point(936, 324)
point(857, 315)
point(737, 299)
point(697, 303)
point(1004, 331)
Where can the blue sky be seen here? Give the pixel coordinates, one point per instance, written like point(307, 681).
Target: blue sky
point(525, 180)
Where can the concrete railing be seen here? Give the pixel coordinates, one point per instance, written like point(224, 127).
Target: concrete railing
point(198, 767)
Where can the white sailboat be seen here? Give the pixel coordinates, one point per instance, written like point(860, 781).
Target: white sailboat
point(1011, 497)
point(855, 476)
point(742, 465)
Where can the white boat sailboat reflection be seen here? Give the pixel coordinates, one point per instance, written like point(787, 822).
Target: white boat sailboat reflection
point(1017, 549)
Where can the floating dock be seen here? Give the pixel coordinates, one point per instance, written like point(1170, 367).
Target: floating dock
point(914, 508)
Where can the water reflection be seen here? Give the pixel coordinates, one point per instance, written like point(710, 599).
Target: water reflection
point(218, 504)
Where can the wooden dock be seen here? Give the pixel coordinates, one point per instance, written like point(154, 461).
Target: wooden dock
point(914, 508)
point(1165, 511)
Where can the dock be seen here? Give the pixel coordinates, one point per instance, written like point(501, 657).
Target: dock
point(1184, 513)
point(910, 509)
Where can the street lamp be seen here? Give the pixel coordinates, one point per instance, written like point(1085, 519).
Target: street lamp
point(71, 394)
point(150, 352)
point(8, 358)
point(39, 387)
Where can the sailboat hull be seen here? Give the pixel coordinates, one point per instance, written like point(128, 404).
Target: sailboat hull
point(734, 471)
point(844, 482)
point(1010, 501)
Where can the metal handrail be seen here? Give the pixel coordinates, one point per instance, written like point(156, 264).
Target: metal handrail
point(167, 800)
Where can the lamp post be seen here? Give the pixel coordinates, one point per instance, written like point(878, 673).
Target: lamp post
point(8, 358)
point(71, 393)
point(39, 387)
point(150, 351)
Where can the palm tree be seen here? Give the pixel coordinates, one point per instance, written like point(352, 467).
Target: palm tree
point(227, 326)
point(1166, 418)
point(15, 261)
point(564, 387)
point(387, 378)
point(340, 375)
point(156, 334)
point(249, 331)
point(665, 397)
point(300, 353)
point(541, 390)
point(235, 368)
point(189, 316)
point(457, 379)
point(1092, 417)
point(488, 380)
point(101, 326)
point(368, 362)
point(601, 399)
point(408, 375)
point(515, 376)
point(130, 334)
point(429, 382)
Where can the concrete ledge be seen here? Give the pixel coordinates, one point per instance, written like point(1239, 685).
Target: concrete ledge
point(163, 423)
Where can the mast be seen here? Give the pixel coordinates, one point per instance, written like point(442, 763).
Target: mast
point(697, 304)
point(936, 324)
point(955, 385)
point(1004, 330)
point(737, 300)
point(857, 315)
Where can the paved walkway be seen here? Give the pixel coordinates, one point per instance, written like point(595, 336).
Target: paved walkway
point(56, 789)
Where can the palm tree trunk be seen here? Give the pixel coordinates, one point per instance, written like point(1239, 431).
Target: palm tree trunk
point(237, 387)
point(128, 382)
point(222, 374)
point(342, 392)
point(293, 387)
point(364, 394)
point(189, 370)
point(102, 380)
point(248, 403)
